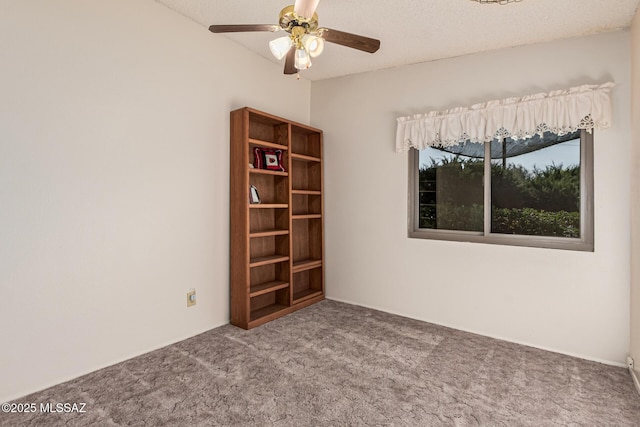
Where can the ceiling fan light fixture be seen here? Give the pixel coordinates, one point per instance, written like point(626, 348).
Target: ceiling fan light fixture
point(280, 46)
point(313, 44)
point(302, 59)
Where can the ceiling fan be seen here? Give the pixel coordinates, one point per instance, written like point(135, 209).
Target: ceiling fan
point(304, 40)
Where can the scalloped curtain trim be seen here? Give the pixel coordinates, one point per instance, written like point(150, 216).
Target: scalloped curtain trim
point(561, 112)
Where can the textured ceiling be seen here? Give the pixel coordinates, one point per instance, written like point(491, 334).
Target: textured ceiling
point(413, 31)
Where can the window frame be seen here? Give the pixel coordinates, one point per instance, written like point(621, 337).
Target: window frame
point(584, 243)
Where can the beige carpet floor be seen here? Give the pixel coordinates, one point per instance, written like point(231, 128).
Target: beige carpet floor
point(334, 364)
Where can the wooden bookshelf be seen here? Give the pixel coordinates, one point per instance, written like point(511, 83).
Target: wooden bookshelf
point(277, 245)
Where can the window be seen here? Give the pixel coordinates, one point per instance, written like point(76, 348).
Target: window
point(527, 191)
point(536, 192)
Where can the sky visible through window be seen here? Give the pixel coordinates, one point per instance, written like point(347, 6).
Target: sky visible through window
point(566, 154)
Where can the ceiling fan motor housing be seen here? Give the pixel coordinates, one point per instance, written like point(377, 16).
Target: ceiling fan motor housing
point(290, 20)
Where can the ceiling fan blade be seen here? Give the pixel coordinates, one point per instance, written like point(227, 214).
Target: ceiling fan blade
point(350, 40)
point(305, 8)
point(290, 61)
point(243, 28)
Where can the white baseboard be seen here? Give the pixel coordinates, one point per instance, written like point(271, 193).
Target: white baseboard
point(636, 382)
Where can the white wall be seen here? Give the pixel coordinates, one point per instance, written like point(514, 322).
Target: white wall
point(635, 193)
point(114, 133)
point(571, 302)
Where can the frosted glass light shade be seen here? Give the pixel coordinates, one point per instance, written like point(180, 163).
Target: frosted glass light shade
point(313, 44)
point(280, 46)
point(302, 61)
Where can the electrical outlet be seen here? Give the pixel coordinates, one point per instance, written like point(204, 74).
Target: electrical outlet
point(630, 362)
point(191, 297)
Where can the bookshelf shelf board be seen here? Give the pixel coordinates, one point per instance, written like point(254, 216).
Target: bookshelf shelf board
point(265, 288)
point(307, 216)
point(305, 158)
point(307, 192)
point(268, 206)
point(266, 312)
point(268, 172)
point(306, 264)
point(266, 260)
point(305, 295)
point(267, 144)
point(269, 233)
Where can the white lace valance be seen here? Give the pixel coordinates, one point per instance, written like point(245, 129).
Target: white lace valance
point(561, 112)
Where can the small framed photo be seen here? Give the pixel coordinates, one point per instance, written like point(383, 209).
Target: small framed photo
point(254, 198)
